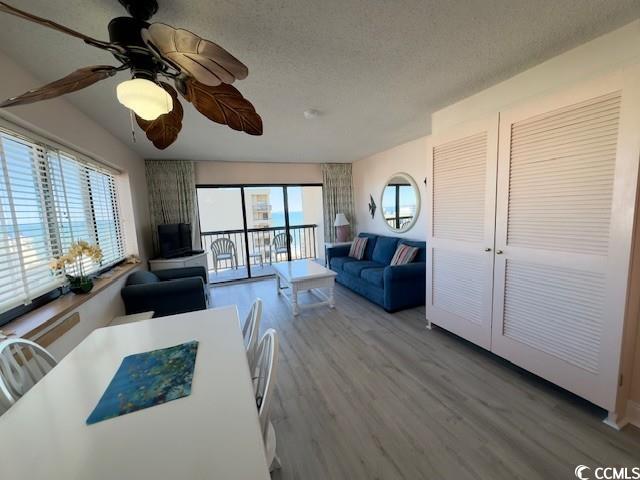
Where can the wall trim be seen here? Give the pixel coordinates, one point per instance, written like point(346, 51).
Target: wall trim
point(633, 413)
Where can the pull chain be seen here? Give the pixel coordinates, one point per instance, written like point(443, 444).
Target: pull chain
point(133, 132)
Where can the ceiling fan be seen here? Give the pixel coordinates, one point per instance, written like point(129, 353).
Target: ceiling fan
point(201, 71)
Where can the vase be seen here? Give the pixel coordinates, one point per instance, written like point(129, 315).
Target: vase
point(80, 285)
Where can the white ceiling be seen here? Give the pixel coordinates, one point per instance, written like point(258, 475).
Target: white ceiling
point(376, 69)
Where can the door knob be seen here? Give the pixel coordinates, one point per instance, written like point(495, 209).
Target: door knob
point(499, 252)
point(487, 249)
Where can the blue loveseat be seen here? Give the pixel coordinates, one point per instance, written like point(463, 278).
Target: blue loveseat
point(393, 288)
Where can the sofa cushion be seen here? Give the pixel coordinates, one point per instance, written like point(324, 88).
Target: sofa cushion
point(337, 263)
point(142, 277)
point(355, 268)
point(422, 252)
point(357, 248)
point(374, 276)
point(384, 250)
point(371, 244)
point(404, 254)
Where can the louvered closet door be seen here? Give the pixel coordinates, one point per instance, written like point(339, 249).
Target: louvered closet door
point(462, 187)
point(566, 191)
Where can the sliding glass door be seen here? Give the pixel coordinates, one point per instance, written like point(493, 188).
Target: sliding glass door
point(245, 229)
point(221, 217)
point(266, 228)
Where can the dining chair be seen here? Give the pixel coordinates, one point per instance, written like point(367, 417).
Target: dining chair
point(251, 332)
point(224, 249)
point(267, 363)
point(22, 364)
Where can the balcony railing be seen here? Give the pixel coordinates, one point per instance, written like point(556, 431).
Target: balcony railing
point(262, 207)
point(262, 245)
point(399, 222)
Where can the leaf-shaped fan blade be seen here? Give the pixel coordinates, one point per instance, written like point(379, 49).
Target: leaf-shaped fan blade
point(201, 59)
point(75, 81)
point(53, 25)
point(164, 130)
point(224, 104)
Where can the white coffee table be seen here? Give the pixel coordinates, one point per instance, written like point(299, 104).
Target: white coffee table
point(301, 275)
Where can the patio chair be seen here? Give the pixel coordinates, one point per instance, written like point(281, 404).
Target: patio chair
point(224, 249)
point(279, 245)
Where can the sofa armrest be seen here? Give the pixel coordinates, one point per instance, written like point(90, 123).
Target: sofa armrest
point(184, 272)
point(407, 272)
point(338, 251)
point(165, 298)
point(404, 286)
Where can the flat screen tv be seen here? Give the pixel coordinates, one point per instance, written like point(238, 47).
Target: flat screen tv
point(175, 240)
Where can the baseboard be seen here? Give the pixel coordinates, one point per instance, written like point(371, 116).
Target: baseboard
point(633, 413)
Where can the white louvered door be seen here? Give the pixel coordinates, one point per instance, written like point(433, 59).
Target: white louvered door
point(567, 175)
point(461, 223)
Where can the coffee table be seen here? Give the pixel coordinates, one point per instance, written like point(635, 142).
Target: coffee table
point(301, 275)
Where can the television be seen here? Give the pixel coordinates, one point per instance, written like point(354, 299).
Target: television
point(175, 240)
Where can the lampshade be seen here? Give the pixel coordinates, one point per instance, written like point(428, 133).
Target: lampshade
point(145, 98)
point(341, 220)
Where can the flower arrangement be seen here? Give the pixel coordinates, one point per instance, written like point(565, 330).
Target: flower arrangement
point(74, 258)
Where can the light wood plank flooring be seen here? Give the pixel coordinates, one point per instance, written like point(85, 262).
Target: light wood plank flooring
point(363, 394)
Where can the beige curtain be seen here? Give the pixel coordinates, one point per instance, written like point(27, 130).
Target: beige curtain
point(172, 196)
point(337, 196)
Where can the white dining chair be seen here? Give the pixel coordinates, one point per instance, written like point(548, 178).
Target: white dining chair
point(22, 364)
point(251, 332)
point(267, 363)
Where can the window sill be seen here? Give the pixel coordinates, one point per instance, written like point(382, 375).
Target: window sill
point(36, 321)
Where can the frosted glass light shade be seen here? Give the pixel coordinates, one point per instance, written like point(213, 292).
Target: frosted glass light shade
point(145, 98)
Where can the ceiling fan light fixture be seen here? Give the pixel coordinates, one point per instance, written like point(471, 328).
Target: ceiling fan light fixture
point(147, 99)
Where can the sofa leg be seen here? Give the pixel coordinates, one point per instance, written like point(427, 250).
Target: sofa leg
point(429, 327)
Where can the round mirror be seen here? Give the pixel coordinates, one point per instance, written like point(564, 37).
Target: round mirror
point(400, 202)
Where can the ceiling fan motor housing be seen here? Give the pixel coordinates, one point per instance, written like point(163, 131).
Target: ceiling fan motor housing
point(140, 9)
point(125, 32)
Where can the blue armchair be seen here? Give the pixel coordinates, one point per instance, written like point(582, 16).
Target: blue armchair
point(392, 287)
point(166, 292)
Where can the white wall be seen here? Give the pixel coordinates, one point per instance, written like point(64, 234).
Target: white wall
point(220, 173)
point(370, 175)
point(61, 122)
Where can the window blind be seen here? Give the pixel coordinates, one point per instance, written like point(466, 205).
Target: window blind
point(50, 198)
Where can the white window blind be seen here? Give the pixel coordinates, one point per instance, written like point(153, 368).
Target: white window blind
point(49, 199)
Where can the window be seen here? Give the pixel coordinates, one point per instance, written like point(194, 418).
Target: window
point(50, 198)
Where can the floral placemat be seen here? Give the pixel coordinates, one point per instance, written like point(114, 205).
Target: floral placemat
point(147, 379)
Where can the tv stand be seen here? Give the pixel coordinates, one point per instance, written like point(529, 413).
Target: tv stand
point(196, 258)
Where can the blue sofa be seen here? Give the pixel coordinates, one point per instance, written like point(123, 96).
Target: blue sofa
point(393, 288)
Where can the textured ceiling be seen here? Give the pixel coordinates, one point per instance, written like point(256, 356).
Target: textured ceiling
point(375, 69)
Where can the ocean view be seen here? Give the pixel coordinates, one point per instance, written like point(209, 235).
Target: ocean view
point(295, 218)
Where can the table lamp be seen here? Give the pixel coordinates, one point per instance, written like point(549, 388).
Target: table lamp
point(342, 227)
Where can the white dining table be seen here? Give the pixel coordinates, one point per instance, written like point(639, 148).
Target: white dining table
point(214, 433)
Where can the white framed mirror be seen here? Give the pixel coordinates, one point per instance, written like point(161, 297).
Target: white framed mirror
point(400, 202)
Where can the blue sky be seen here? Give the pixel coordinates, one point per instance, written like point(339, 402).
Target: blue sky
point(407, 197)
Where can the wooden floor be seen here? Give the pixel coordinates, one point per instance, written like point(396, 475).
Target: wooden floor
point(363, 394)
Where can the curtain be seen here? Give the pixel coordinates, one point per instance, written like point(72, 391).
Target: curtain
point(337, 196)
point(172, 196)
